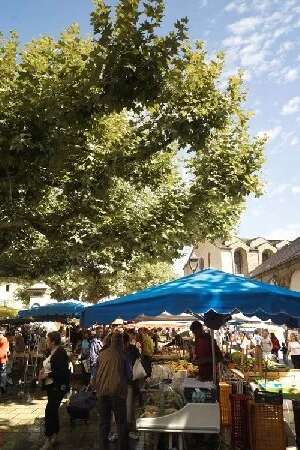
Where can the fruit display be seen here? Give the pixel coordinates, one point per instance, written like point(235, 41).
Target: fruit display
point(183, 365)
point(149, 411)
point(247, 364)
point(166, 357)
point(273, 366)
point(173, 369)
point(286, 383)
point(161, 403)
point(236, 357)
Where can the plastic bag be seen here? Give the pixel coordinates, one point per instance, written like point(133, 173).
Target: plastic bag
point(138, 371)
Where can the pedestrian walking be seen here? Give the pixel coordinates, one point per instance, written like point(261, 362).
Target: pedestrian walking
point(55, 377)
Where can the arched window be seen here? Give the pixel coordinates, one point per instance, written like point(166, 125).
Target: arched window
point(238, 261)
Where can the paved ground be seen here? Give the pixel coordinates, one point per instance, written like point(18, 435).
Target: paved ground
point(22, 425)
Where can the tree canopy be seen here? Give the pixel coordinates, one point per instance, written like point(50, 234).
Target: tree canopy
point(91, 133)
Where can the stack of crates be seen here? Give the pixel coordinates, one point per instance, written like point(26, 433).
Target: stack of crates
point(239, 422)
point(266, 422)
point(225, 391)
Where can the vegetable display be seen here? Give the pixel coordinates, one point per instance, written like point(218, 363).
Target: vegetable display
point(161, 403)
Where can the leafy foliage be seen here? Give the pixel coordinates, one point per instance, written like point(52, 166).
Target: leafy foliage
point(6, 312)
point(86, 287)
point(91, 130)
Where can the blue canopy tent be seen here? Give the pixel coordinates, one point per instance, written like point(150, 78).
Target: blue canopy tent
point(199, 293)
point(68, 308)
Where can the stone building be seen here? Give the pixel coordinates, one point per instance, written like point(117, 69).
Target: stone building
point(283, 268)
point(40, 294)
point(237, 255)
point(8, 293)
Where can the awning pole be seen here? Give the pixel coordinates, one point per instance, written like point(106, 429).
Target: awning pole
point(212, 335)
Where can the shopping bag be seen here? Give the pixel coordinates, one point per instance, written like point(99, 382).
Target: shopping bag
point(138, 371)
point(87, 365)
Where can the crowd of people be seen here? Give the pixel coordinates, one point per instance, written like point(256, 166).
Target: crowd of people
point(110, 359)
point(268, 343)
point(108, 362)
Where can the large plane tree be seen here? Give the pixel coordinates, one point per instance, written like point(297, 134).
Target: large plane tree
point(92, 133)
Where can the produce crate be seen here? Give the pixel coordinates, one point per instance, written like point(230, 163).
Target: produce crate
point(267, 427)
point(273, 375)
point(239, 420)
point(225, 405)
point(271, 398)
point(250, 407)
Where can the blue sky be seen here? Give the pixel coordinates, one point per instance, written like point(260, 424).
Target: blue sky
point(262, 37)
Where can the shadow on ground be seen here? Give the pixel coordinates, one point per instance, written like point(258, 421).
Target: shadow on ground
point(22, 428)
point(22, 425)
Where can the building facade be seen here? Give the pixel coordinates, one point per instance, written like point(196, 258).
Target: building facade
point(8, 294)
point(237, 255)
point(40, 294)
point(282, 269)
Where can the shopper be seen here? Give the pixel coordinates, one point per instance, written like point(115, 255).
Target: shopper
point(275, 345)
point(256, 339)
point(245, 343)
point(147, 350)
point(55, 376)
point(4, 352)
point(75, 337)
point(95, 349)
point(85, 358)
point(284, 350)
point(111, 384)
point(155, 339)
point(19, 343)
point(266, 344)
point(294, 350)
point(132, 354)
point(202, 355)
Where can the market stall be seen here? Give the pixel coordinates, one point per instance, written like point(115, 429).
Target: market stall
point(27, 335)
point(200, 292)
point(164, 320)
point(209, 292)
point(64, 309)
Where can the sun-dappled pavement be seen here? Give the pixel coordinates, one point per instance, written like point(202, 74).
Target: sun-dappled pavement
point(22, 426)
point(22, 423)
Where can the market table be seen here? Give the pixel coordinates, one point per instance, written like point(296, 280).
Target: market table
point(198, 418)
point(287, 383)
